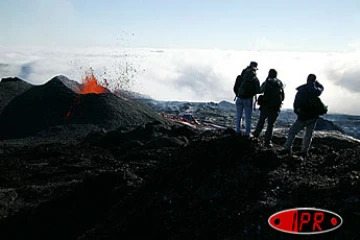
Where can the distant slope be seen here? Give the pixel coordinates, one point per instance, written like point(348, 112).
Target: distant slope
point(179, 107)
point(224, 113)
point(10, 88)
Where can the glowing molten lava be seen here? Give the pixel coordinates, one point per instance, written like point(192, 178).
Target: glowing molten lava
point(91, 85)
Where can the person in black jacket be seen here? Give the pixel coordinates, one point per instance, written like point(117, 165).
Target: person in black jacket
point(270, 106)
point(307, 114)
point(246, 86)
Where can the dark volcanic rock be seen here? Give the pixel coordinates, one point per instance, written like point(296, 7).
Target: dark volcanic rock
point(227, 188)
point(153, 134)
point(54, 104)
point(157, 181)
point(167, 142)
point(10, 88)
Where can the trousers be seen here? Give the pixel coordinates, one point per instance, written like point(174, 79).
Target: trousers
point(271, 116)
point(244, 105)
point(296, 128)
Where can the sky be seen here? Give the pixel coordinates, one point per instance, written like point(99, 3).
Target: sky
point(186, 50)
point(307, 25)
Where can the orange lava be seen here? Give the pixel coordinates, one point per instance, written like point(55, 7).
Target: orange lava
point(91, 85)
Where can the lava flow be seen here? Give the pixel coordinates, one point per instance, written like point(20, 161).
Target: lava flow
point(72, 106)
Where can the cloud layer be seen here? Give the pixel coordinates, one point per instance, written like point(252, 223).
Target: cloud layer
point(345, 72)
point(189, 74)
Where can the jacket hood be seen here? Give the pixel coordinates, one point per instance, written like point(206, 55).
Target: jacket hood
point(313, 88)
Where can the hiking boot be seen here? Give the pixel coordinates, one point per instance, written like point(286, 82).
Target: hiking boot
point(238, 134)
point(303, 154)
point(255, 135)
point(297, 159)
point(246, 136)
point(287, 151)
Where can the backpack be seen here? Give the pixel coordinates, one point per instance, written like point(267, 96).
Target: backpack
point(273, 94)
point(248, 84)
point(237, 84)
point(260, 100)
point(317, 106)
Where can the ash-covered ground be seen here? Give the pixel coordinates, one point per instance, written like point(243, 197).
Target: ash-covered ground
point(152, 178)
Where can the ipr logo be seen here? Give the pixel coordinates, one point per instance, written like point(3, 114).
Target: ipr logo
point(305, 221)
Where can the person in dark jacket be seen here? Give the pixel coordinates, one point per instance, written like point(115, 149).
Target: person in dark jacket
point(306, 115)
point(270, 107)
point(246, 86)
